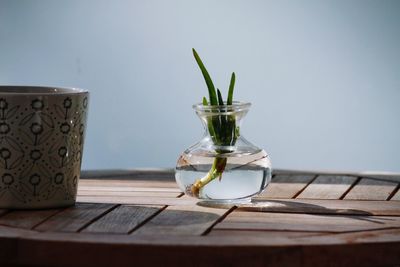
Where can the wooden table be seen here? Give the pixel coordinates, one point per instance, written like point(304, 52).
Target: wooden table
point(140, 218)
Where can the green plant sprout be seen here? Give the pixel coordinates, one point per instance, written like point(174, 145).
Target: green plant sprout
point(222, 129)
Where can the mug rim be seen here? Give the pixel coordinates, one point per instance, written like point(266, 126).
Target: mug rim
point(24, 90)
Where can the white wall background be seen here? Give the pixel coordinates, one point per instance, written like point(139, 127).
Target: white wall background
point(323, 76)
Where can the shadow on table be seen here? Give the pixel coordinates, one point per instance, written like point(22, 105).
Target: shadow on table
point(282, 206)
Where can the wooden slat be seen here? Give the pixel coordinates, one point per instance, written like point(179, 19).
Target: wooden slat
point(11, 232)
point(375, 253)
point(380, 235)
point(123, 219)
point(387, 176)
point(74, 218)
point(182, 220)
point(3, 211)
point(128, 183)
point(27, 219)
point(121, 250)
point(127, 194)
point(396, 196)
point(128, 188)
point(9, 238)
point(305, 222)
point(213, 240)
point(328, 187)
point(135, 200)
point(371, 189)
point(149, 174)
point(269, 238)
point(181, 251)
point(320, 206)
point(286, 186)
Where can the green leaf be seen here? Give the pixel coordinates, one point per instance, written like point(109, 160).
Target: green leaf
point(220, 100)
point(231, 87)
point(223, 119)
point(237, 131)
point(207, 78)
point(209, 120)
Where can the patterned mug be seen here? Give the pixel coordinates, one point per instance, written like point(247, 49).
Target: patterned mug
point(41, 142)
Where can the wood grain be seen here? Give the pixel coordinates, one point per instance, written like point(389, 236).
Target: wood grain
point(121, 250)
point(149, 174)
point(74, 218)
point(49, 252)
point(266, 238)
point(371, 189)
point(128, 183)
point(328, 187)
point(396, 195)
point(211, 240)
point(286, 186)
point(321, 206)
point(305, 222)
point(3, 211)
point(387, 176)
point(128, 193)
point(27, 219)
point(317, 230)
point(182, 220)
point(127, 188)
point(135, 200)
point(122, 219)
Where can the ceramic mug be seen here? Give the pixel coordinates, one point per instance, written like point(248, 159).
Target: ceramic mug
point(41, 142)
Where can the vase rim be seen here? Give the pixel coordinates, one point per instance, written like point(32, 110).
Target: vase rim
point(236, 106)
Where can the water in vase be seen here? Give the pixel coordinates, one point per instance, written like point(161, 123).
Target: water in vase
point(245, 175)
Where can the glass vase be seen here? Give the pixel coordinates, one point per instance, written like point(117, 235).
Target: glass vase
point(223, 166)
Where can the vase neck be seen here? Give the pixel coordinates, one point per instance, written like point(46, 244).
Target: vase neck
point(222, 123)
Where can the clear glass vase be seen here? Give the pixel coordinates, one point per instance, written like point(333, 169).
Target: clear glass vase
point(223, 166)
